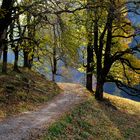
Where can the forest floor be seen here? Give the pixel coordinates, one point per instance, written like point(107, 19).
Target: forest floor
point(31, 124)
point(24, 91)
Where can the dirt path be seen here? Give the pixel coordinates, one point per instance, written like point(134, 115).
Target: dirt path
point(31, 124)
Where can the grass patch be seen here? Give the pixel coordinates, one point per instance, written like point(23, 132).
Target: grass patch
point(113, 119)
point(25, 91)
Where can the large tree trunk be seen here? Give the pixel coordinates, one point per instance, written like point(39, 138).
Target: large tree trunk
point(103, 72)
point(99, 90)
point(89, 67)
point(89, 82)
point(4, 66)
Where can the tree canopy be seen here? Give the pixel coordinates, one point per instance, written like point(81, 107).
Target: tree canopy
point(49, 31)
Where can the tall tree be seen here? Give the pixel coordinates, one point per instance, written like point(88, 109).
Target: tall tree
point(5, 21)
point(89, 26)
point(112, 26)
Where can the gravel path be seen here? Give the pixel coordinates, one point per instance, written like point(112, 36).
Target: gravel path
point(31, 124)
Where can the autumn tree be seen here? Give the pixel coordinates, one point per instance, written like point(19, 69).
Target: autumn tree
point(112, 30)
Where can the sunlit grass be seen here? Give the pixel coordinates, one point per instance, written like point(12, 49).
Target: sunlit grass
point(113, 119)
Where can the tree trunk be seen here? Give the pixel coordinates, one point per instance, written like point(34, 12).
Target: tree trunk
point(54, 59)
point(4, 66)
point(26, 61)
point(89, 82)
point(6, 19)
point(16, 60)
point(54, 68)
point(53, 77)
point(99, 90)
point(89, 70)
point(0, 53)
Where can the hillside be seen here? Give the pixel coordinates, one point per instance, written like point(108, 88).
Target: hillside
point(25, 91)
point(115, 118)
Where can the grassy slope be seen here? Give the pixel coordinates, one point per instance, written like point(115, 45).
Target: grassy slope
point(113, 119)
point(23, 92)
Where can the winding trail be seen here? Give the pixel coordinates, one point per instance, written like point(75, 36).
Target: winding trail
point(30, 125)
